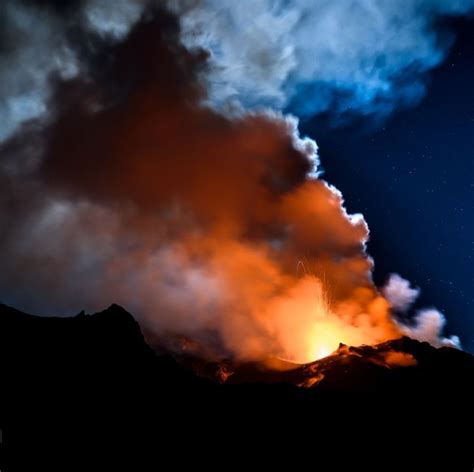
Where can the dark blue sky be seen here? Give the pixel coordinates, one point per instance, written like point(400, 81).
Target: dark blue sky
point(412, 177)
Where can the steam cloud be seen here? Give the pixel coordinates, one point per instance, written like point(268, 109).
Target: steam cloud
point(119, 185)
point(343, 56)
point(399, 293)
point(427, 324)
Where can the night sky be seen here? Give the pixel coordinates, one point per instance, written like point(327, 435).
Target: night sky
point(412, 176)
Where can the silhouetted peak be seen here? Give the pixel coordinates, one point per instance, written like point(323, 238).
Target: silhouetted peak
point(113, 337)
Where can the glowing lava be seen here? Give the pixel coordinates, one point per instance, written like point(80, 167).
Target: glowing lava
point(308, 328)
point(324, 340)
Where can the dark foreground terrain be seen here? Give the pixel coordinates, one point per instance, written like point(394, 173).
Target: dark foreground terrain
point(87, 393)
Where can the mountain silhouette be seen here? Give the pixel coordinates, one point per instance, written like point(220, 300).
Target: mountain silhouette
point(91, 389)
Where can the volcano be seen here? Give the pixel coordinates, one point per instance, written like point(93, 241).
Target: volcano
point(92, 379)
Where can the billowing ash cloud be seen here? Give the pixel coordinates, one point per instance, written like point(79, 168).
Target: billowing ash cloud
point(33, 50)
point(399, 293)
point(112, 19)
point(342, 56)
point(38, 48)
point(427, 324)
point(199, 222)
point(316, 56)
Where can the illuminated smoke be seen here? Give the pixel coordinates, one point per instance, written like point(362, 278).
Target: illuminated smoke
point(280, 53)
point(427, 324)
point(336, 56)
point(399, 293)
point(197, 222)
point(38, 50)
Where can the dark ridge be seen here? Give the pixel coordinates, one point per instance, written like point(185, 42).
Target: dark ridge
point(90, 387)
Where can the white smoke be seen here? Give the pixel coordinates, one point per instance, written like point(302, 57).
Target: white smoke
point(427, 324)
point(312, 56)
point(399, 293)
point(113, 19)
point(34, 49)
point(315, 56)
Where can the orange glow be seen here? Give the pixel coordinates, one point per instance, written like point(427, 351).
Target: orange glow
point(198, 220)
point(307, 329)
point(325, 340)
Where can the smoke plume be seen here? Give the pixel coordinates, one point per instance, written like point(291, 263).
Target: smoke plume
point(341, 57)
point(336, 56)
point(427, 324)
point(399, 293)
point(120, 185)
